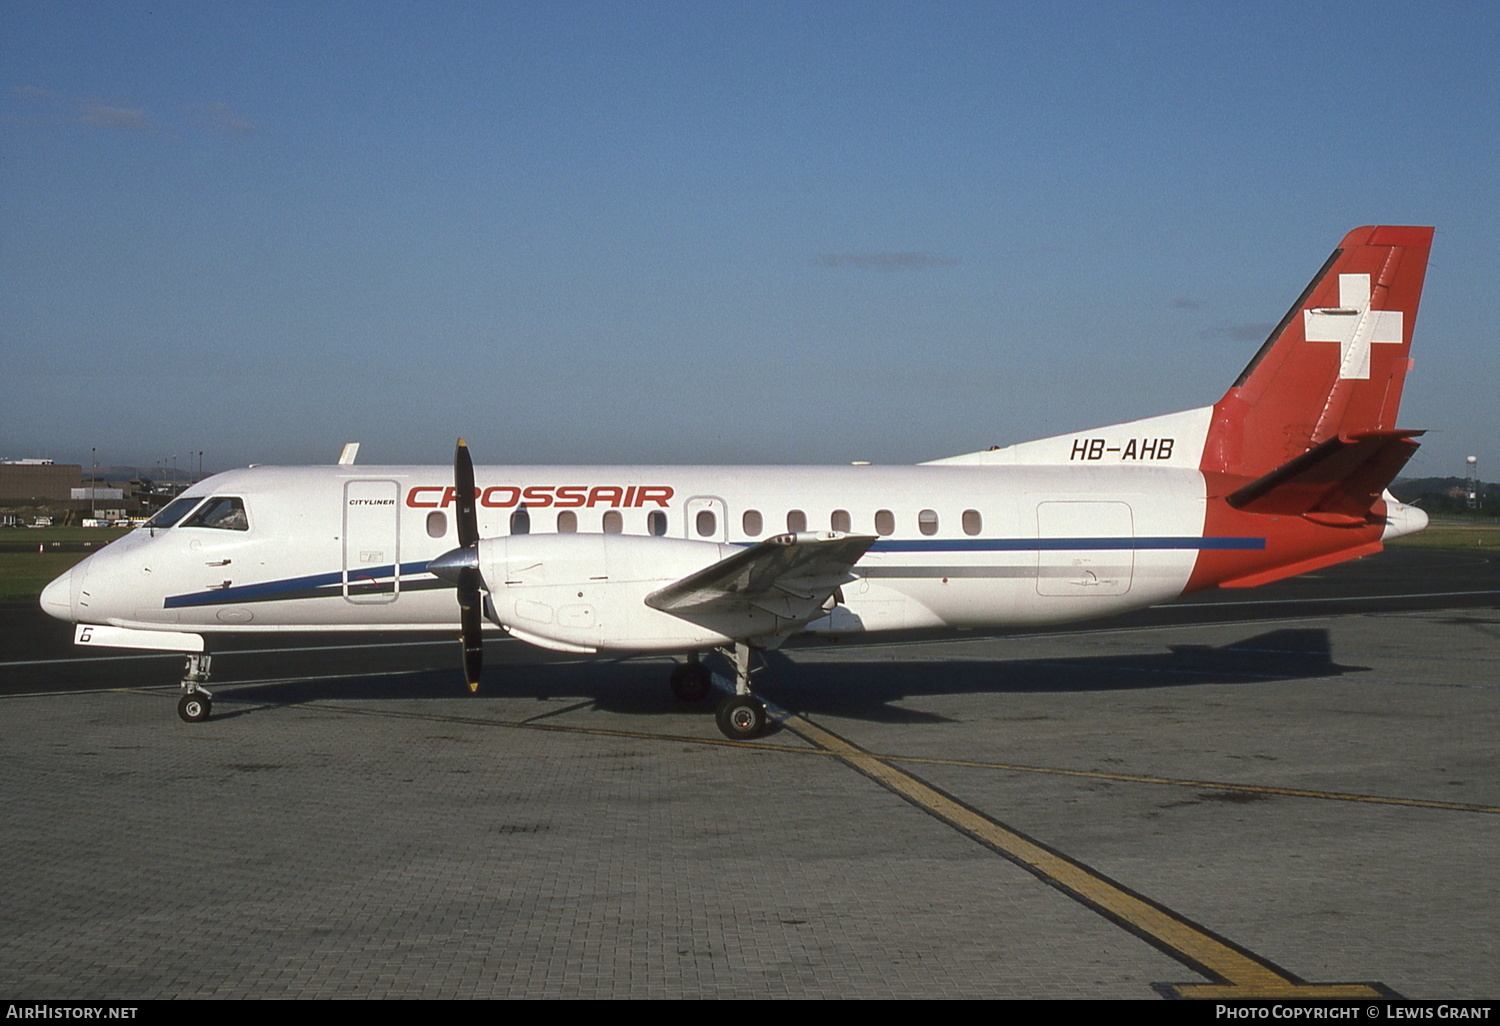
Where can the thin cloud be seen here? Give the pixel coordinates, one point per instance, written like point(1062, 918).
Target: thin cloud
point(884, 261)
point(1184, 303)
point(38, 105)
point(128, 119)
point(35, 94)
point(60, 108)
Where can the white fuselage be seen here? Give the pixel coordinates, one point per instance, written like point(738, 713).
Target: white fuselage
point(346, 548)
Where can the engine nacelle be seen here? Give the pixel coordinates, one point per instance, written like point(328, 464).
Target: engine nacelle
point(586, 592)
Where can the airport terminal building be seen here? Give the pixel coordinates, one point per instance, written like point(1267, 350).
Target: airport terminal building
point(31, 488)
point(38, 482)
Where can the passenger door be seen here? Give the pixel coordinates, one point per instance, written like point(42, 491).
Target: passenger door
point(372, 541)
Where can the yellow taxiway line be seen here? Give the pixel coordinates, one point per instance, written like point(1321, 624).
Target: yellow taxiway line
point(1235, 973)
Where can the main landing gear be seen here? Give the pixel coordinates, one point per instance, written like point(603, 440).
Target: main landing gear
point(196, 703)
point(740, 716)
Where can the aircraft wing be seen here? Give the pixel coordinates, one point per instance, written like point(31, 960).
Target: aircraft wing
point(771, 586)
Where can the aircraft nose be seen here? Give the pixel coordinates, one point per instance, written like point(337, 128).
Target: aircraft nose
point(57, 597)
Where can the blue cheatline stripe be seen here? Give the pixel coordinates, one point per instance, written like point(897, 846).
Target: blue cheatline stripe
point(331, 584)
point(312, 586)
point(1064, 544)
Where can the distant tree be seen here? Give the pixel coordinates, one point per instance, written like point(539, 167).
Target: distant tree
point(1447, 496)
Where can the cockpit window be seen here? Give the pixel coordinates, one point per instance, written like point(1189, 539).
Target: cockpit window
point(222, 512)
point(173, 512)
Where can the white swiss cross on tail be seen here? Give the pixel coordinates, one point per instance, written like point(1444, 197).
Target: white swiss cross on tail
point(1354, 326)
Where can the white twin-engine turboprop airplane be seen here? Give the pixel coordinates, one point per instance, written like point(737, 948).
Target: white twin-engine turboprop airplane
point(1286, 473)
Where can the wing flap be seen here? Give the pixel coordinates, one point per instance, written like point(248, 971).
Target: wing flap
point(769, 587)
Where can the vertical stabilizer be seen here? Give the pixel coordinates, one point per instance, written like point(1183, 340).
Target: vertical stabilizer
point(1336, 363)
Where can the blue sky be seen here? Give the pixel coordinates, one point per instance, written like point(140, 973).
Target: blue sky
point(580, 232)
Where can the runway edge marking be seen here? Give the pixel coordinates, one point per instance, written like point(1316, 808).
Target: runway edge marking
point(1234, 972)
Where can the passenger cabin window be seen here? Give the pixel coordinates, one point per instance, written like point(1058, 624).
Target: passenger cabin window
point(927, 521)
point(706, 523)
point(796, 521)
point(614, 523)
point(223, 513)
point(437, 524)
point(173, 512)
point(840, 521)
point(567, 522)
point(520, 521)
point(885, 522)
point(751, 522)
point(656, 523)
point(973, 522)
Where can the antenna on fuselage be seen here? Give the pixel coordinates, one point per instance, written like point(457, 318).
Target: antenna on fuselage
point(347, 457)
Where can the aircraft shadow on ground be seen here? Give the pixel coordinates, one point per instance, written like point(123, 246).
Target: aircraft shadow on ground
point(864, 689)
point(855, 687)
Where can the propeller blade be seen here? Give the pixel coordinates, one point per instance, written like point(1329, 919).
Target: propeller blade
point(472, 629)
point(463, 487)
point(465, 560)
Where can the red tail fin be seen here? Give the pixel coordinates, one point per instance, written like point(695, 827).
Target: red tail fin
point(1336, 363)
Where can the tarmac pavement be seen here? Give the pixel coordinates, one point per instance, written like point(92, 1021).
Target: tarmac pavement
point(1250, 797)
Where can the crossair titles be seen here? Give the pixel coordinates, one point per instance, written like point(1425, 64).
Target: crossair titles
point(543, 496)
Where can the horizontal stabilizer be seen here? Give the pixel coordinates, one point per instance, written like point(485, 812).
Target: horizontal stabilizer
point(770, 586)
point(1336, 482)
